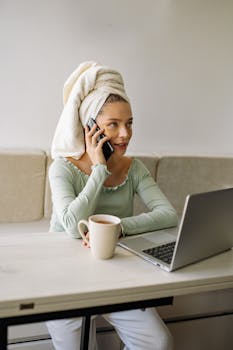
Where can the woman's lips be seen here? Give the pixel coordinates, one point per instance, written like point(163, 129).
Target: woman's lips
point(121, 146)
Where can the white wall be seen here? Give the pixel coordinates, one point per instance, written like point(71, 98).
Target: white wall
point(176, 57)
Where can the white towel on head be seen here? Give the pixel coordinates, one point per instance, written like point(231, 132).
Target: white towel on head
point(84, 93)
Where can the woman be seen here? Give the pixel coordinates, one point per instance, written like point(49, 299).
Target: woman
point(83, 183)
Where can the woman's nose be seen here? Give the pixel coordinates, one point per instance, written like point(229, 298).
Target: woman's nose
point(123, 132)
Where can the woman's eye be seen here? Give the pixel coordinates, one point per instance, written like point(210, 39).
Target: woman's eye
point(112, 125)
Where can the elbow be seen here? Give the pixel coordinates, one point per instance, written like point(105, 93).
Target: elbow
point(72, 230)
point(72, 234)
point(70, 225)
point(168, 217)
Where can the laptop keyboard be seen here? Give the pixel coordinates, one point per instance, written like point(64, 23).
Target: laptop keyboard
point(163, 252)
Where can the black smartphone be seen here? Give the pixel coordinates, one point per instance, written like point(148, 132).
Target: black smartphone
point(107, 147)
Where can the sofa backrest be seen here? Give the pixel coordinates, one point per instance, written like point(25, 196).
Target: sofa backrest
point(22, 184)
point(178, 176)
point(25, 192)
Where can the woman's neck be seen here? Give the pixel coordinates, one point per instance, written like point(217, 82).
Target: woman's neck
point(117, 165)
point(114, 163)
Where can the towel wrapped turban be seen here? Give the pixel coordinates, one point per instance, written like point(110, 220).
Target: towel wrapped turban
point(84, 93)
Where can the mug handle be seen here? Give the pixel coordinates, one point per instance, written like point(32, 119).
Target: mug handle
point(82, 223)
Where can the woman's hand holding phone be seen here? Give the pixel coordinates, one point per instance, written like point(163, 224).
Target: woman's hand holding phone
point(94, 148)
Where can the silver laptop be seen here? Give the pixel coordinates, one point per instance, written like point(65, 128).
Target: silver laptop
point(206, 229)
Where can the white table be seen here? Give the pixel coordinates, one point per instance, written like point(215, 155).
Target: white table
point(49, 275)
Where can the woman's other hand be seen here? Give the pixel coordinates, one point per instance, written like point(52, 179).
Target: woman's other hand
point(85, 244)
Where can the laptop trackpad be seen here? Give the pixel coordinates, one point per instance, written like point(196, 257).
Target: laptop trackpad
point(148, 240)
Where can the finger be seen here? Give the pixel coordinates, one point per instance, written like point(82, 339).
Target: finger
point(102, 141)
point(85, 244)
point(89, 133)
point(96, 136)
point(86, 128)
point(87, 137)
point(87, 238)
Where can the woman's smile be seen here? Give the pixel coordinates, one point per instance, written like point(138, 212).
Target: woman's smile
point(120, 146)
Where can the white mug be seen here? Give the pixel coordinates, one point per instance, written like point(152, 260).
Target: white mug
point(104, 231)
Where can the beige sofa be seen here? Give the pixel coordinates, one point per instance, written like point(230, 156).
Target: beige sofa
point(25, 202)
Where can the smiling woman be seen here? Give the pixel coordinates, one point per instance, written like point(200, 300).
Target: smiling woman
point(84, 182)
point(115, 118)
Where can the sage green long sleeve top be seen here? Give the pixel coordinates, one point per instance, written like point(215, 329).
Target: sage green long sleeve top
point(76, 196)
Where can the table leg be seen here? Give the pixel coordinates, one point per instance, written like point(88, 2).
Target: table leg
point(85, 332)
point(3, 336)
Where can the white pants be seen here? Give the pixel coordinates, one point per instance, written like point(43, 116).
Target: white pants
point(138, 329)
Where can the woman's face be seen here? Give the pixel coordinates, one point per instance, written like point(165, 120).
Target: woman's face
point(116, 120)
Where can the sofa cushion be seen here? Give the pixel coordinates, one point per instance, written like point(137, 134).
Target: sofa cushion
point(22, 185)
point(179, 176)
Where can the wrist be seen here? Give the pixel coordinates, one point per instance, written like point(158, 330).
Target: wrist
point(101, 166)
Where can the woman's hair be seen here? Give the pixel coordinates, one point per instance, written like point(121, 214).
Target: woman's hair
point(111, 99)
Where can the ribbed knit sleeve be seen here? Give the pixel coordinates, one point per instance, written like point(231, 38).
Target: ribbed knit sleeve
point(161, 214)
point(71, 206)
